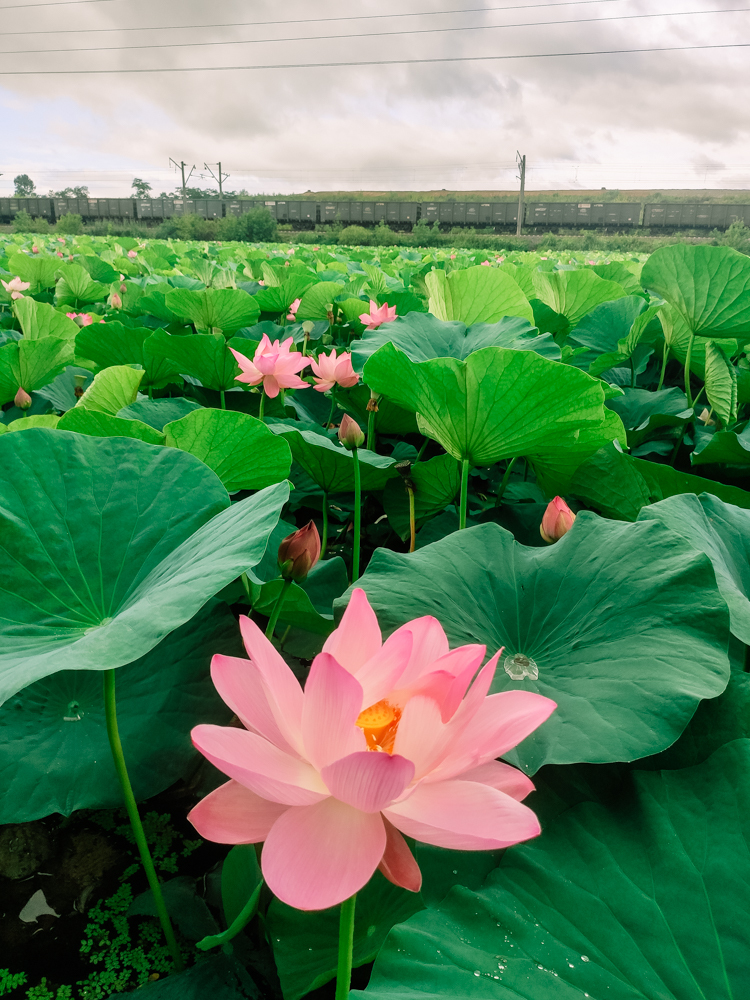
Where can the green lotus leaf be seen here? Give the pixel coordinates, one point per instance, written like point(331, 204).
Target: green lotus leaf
point(153, 301)
point(99, 269)
point(643, 412)
point(421, 336)
point(624, 628)
point(40, 319)
point(617, 271)
point(722, 448)
point(108, 344)
point(573, 294)
point(297, 609)
point(619, 485)
point(40, 271)
point(315, 300)
point(721, 383)
point(109, 544)
point(202, 356)
point(436, 484)
point(61, 391)
point(645, 900)
point(159, 412)
point(100, 424)
point(112, 389)
point(36, 420)
point(677, 337)
point(76, 287)
point(210, 309)
point(708, 286)
point(55, 755)
point(613, 330)
point(476, 295)
point(330, 465)
point(722, 532)
point(240, 449)
point(31, 364)
point(278, 298)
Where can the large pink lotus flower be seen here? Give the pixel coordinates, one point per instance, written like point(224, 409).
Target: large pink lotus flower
point(332, 370)
point(387, 738)
point(274, 365)
point(16, 287)
point(378, 315)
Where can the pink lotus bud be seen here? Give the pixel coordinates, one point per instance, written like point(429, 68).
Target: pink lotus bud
point(557, 521)
point(22, 399)
point(299, 552)
point(35, 249)
point(59, 253)
point(350, 433)
point(115, 301)
point(132, 254)
point(123, 288)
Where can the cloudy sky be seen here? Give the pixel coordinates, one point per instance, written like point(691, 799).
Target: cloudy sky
point(672, 119)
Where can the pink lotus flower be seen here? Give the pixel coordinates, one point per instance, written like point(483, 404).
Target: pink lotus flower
point(132, 254)
point(293, 308)
point(274, 365)
point(82, 319)
point(557, 521)
point(16, 287)
point(485, 263)
point(387, 738)
point(378, 315)
point(59, 253)
point(331, 370)
point(35, 249)
point(453, 256)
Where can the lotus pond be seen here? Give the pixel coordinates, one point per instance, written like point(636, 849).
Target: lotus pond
point(373, 618)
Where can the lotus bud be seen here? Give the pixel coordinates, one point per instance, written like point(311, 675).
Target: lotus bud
point(123, 288)
point(299, 552)
point(557, 521)
point(115, 301)
point(22, 399)
point(35, 249)
point(350, 433)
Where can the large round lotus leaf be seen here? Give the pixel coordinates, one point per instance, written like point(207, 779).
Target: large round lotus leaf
point(623, 627)
point(107, 545)
point(722, 531)
point(330, 465)
point(476, 295)
point(647, 900)
point(572, 294)
point(422, 336)
point(54, 751)
point(708, 286)
point(213, 308)
point(200, 355)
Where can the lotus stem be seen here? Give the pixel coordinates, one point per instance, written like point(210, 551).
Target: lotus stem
point(504, 483)
point(324, 539)
point(277, 609)
point(464, 502)
point(421, 451)
point(262, 405)
point(633, 379)
point(412, 519)
point(665, 358)
point(242, 919)
point(357, 515)
point(110, 712)
point(223, 400)
point(687, 369)
point(346, 948)
point(150, 392)
point(371, 430)
point(333, 408)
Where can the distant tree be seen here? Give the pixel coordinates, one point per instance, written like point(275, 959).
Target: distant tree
point(25, 187)
point(141, 188)
point(81, 191)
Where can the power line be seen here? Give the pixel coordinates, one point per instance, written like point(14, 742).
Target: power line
point(371, 62)
point(380, 34)
point(256, 24)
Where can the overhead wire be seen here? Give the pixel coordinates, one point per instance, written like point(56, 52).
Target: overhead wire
point(379, 34)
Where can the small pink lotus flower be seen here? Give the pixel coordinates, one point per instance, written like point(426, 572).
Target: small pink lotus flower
point(485, 263)
point(331, 370)
point(453, 256)
point(378, 315)
point(132, 254)
point(60, 254)
point(82, 319)
point(22, 399)
point(387, 738)
point(61, 239)
point(299, 552)
point(115, 301)
point(293, 308)
point(351, 434)
point(274, 365)
point(557, 521)
point(35, 249)
point(16, 287)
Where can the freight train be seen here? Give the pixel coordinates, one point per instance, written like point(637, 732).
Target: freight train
point(613, 215)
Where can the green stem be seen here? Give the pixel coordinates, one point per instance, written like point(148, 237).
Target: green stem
point(333, 407)
point(687, 369)
point(262, 404)
point(242, 919)
point(464, 493)
point(277, 608)
point(632, 372)
point(504, 483)
point(150, 392)
point(357, 515)
point(412, 521)
point(346, 947)
point(371, 430)
point(324, 539)
point(421, 451)
point(110, 711)
point(664, 360)
point(223, 399)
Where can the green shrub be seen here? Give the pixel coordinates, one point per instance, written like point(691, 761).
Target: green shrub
point(384, 236)
point(257, 226)
point(70, 223)
point(23, 223)
point(355, 236)
point(193, 227)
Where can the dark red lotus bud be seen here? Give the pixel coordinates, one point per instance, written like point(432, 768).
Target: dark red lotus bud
point(299, 552)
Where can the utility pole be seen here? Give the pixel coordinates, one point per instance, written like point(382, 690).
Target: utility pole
point(181, 167)
point(220, 179)
point(521, 162)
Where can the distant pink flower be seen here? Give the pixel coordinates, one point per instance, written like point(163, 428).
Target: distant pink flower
point(453, 256)
point(15, 286)
point(378, 315)
point(485, 263)
point(35, 249)
point(59, 253)
point(61, 239)
point(274, 365)
point(115, 301)
point(385, 739)
point(82, 319)
point(332, 370)
point(132, 254)
point(293, 309)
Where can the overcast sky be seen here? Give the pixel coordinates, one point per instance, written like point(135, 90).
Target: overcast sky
point(670, 119)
